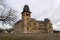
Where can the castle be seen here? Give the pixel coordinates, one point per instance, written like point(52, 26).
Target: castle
point(31, 25)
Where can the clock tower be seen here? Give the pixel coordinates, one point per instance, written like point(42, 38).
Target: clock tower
point(26, 17)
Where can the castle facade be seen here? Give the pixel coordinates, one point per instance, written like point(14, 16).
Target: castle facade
point(31, 25)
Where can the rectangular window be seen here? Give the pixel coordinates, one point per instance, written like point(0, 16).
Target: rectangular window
point(27, 28)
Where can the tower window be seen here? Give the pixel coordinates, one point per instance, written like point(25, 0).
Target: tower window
point(27, 23)
point(27, 14)
point(27, 18)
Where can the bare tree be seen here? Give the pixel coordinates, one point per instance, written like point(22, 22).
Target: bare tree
point(3, 3)
point(11, 14)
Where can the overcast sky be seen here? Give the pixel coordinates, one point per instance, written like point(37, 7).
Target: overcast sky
point(40, 9)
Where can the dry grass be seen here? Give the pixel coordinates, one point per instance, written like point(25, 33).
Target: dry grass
point(21, 36)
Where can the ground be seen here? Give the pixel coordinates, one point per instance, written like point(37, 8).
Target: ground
point(22, 36)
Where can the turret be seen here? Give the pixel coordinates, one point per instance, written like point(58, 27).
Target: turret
point(48, 25)
point(26, 17)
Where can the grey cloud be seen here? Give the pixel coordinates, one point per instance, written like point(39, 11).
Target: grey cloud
point(40, 8)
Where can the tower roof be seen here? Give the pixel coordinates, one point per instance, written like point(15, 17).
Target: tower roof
point(26, 8)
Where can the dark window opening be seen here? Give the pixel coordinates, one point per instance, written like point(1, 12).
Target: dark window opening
point(28, 14)
point(34, 23)
point(39, 28)
point(27, 28)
